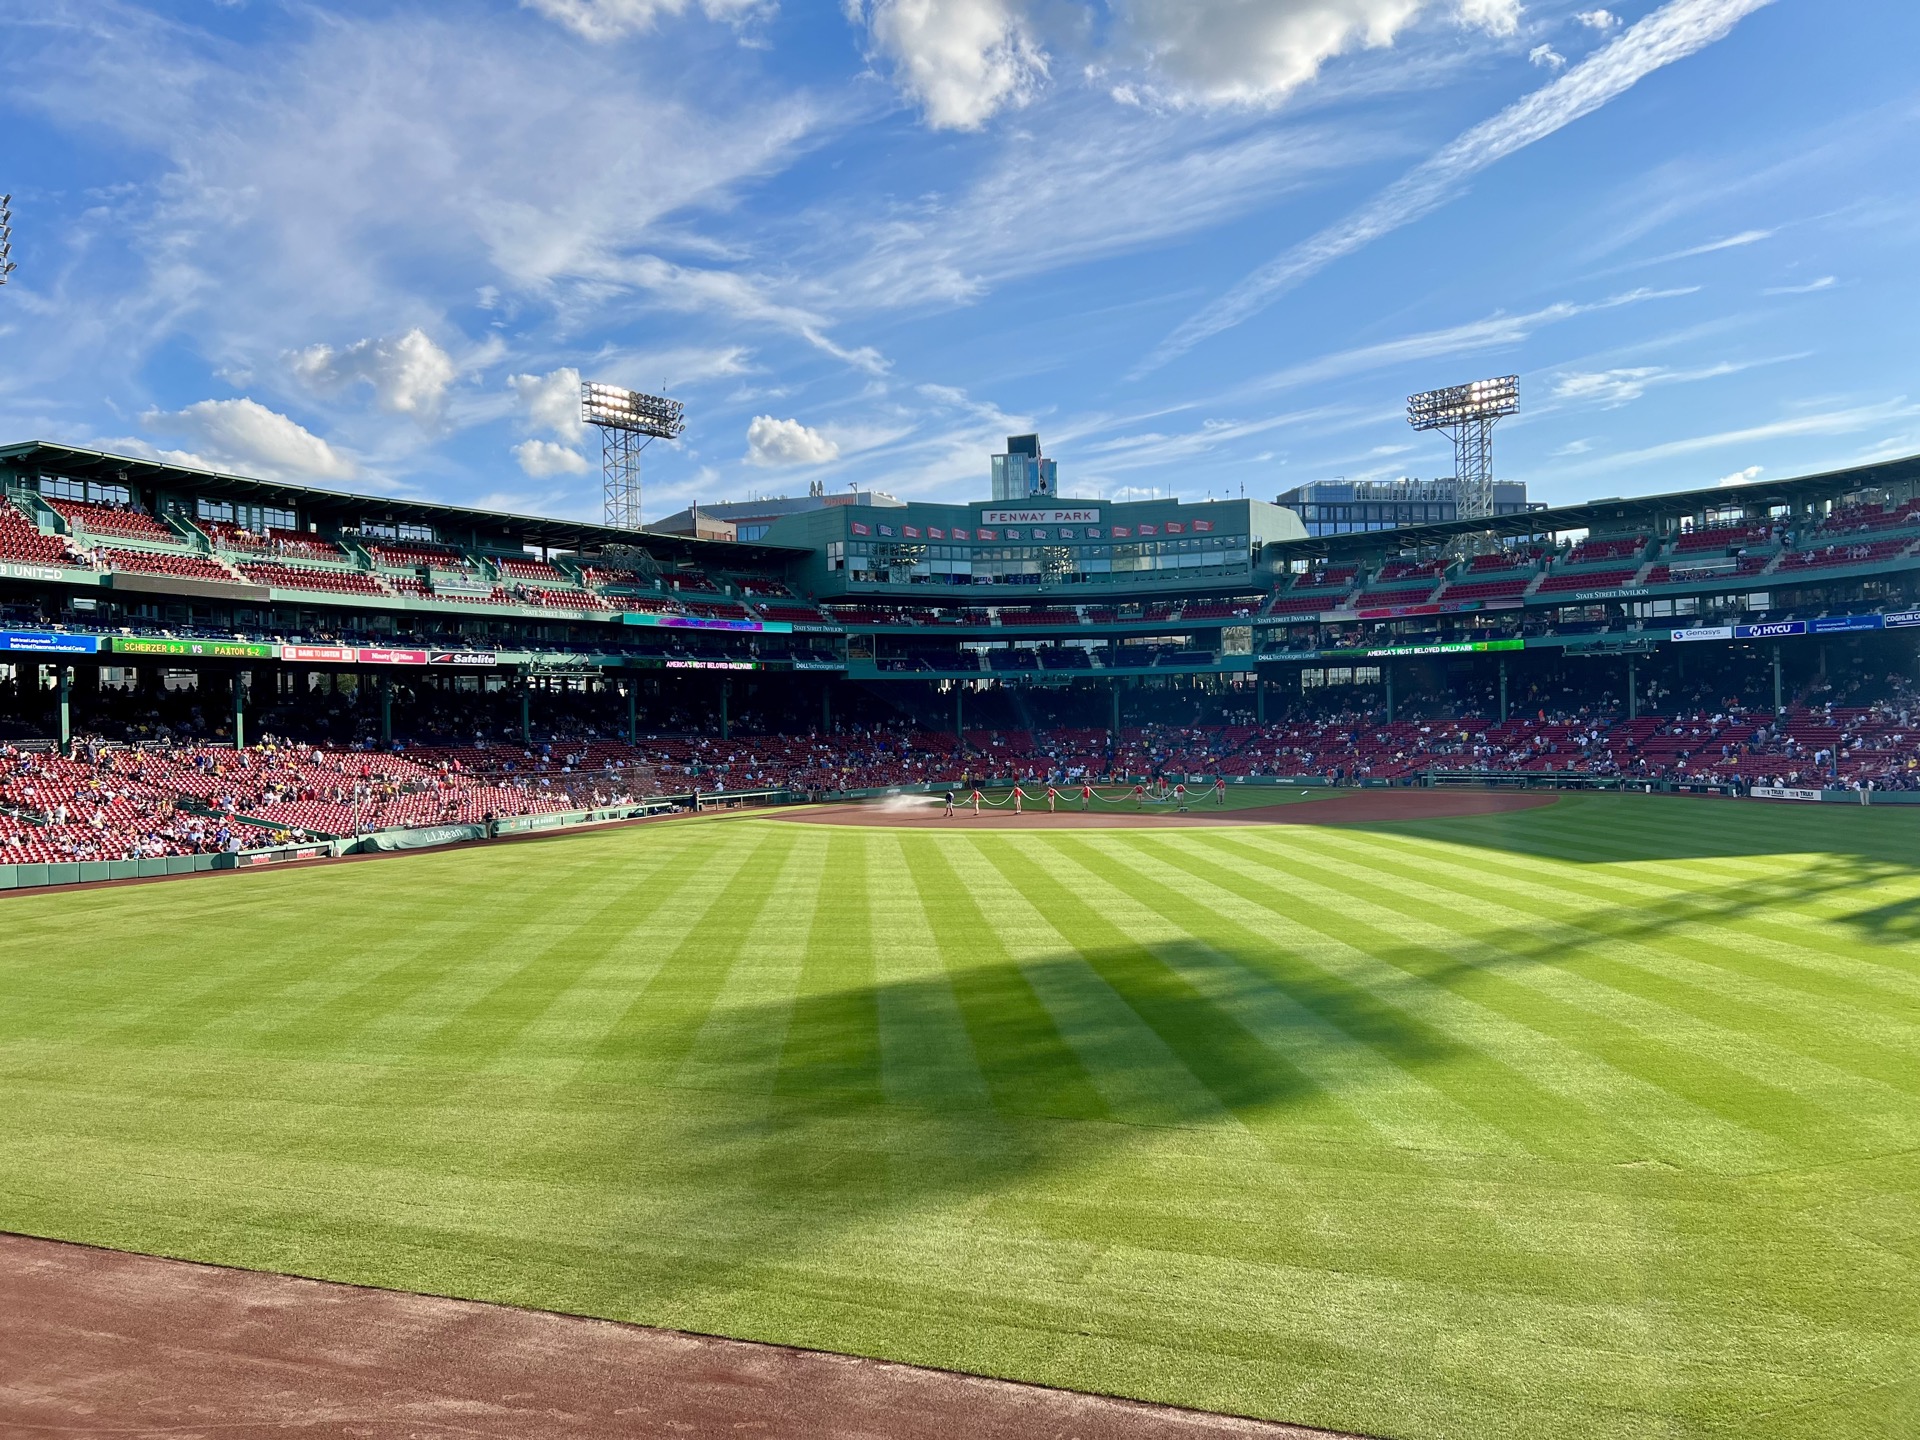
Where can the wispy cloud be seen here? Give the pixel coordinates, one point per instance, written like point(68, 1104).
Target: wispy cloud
point(1613, 388)
point(1476, 337)
point(1825, 282)
point(1672, 33)
point(1844, 420)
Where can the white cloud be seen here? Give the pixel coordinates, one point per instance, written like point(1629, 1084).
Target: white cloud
point(603, 20)
point(1672, 33)
point(1475, 337)
point(551, 401)
point(961, 61)
point(1622, 386)
point(1742, 477)
point(1547, 57)
point(1496, 17)
point(772, 442)
point(1606, 387)
point(1601, 20)
point(742, 297)
point(1850, 420)
point(1825, 282)
point(543, 459)
point(246, 437)
point(1258, 52)
point(408, 375)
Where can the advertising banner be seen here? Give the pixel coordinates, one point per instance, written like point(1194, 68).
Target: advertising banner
point(1777, 630)
point(1900, 619)
point(463, 657)
point(50, 642)
point(1705, 632)
point(713, 664)
point(195, 649)
point(1835, 623)
point(1619, 592)
point(13, 570)
point(1779, 792)
point(390, 657)
point(320, 654)
point(697, 622)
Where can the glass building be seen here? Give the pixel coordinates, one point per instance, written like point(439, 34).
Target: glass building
point(1338, 507)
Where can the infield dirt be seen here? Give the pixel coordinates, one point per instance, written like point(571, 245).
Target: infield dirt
point(101, 1342)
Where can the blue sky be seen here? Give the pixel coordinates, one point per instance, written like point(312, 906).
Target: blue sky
point(1203, 246)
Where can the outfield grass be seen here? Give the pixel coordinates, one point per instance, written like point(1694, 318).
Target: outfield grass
point(1598, 1120)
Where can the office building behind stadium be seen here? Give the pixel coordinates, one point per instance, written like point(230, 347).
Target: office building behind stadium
point(118, 571)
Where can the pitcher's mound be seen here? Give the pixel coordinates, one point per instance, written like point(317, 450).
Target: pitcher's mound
point(1331, 807)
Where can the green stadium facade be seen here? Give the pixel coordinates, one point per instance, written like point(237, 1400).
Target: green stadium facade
point(118, 561)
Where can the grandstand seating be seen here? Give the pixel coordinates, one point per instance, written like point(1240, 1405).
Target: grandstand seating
point(793, 613)
point(1039, 615)
point(412, 554)
point(1395, 571)
point(124, 522)
point(1219, 609)
point(296, 577)
point(22, 540)
point(1857, 552)
point(1864, 519)
point(1510, 588)
point(717, 609)
point(1597, 552)
point(1331, 577)
point(538, 571)
point(283, 544)
point(563, 599)
point(1559, 582)
point(1284, 604)
point(1722, 537)
point(163, 562)
point(765, 589)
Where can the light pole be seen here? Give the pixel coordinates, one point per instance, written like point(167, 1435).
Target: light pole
point(7, 267)
point(628, 422)
point(1467, 413)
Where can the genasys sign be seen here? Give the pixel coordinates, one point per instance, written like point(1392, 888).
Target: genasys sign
point(1081, 516)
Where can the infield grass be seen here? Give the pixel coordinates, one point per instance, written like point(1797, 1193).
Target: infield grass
point(1599, 1120)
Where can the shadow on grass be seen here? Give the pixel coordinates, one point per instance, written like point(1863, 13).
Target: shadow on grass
point(1611, 828)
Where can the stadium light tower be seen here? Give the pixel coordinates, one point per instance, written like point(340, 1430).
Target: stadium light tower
point(1467, 413)
point(7, 266)
point(628, 422)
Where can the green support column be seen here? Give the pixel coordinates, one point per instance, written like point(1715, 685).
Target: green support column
point(66, 709)
point(633, 712)
point(960, 716)
point(1633, 688)
point(826, 707)
point(1779, 704)
point(726, 724)
point(1386, 674)
point(1503, 689)
point(1259, 698)
point(239, 710)
point(1116, 713)
point(526, 710)
point(386, 710)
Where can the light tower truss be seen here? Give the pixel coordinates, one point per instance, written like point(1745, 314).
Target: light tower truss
point(1467, 413)
point(7, 267)
point(628, 422)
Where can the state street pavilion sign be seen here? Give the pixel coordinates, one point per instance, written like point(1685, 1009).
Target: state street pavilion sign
point(1083, 515)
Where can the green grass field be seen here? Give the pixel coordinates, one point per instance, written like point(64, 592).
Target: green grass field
point(1601, 1120)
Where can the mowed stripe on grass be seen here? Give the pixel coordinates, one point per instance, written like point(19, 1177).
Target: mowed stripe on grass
point(1595, 1120)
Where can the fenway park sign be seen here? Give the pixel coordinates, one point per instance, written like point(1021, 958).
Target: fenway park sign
point(1081, 516)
